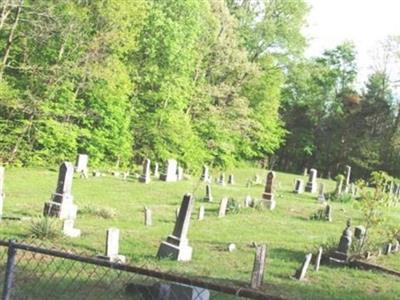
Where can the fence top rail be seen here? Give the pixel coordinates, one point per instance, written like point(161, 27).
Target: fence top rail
point(229, 289)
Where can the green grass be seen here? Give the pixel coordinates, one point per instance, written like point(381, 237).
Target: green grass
point(288, 231)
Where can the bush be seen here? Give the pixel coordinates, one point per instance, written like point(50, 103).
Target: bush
point(102, 212)
point(233, 206)
point(45, 228)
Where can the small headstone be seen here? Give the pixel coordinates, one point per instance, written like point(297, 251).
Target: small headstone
point(321, 193)
point(395, 246)
point(170, 174)
point(342, 252)
point(268, 199)
point(208, 197)
point(339, 185)
point(231, 179)
point(177, 245)
point(112, 247)
point(387, 249)
point(301, 272)
point(156, 172)
point(148, 220)
point(221, 179)
point(222, 207)
point(298, 186)
point(305, 172)
point(257, 275)
point(359, 232)
point(312, 181)
point(145, 177)
point(82, 163)
point(61, 203)
point(179, 173)
point(231, 247)
point(201, 213)
point(205, 177)
point(247, 201)
point(318, 259)
point(328, 213)
point(69, 230)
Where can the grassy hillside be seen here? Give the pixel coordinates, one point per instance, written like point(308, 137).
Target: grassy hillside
point(287, 230)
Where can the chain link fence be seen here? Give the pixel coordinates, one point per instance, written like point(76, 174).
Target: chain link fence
point(31, 272)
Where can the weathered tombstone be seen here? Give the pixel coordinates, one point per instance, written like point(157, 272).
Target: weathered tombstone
point(329, 176)
point(69, 230)
point(170, 174)
point(395, 246)
point(148, 220)
point(353, 190)
point(231, 179)
point(208, 197)
point(268, 199)
point(155, 171)
point(247, 201)
point(231, 247)
point(205, 177)
point(312, 181)
point(177, 244)
point(387, 249)
point(179, 173)
point(359, 232)
point(328, 213)
point(221, 179)
point(318, 259)
point(82, 163)
point(301, 272)
point(321, 193)
point(222, 207)
point(61, 203)
point(257, 275)
point(1, 190)
point(305, 172)
point(347, 183)
point(298, 186)
point(201, 213)
point(112, 247)
point(145, 177)
point(342, 252)
point(339, 185)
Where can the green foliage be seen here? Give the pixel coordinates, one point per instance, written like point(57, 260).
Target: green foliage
point(343, 198)
point(233, 206)
point(44, 228)
point(101, 212)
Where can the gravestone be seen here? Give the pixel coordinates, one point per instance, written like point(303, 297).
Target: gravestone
point(1, 190)
point(148, 220)
point(298, 186)
point(301, 272)
point(145, 177)
point(170, 174)
point(328, 213)
point(177, 244)
point(61, 203)
point(359, 232)
point(257, 179)
point(339, 185)
point(321, 193)
point(231, 247)
point(205, 177)
point(82, 163)
point(155, 172)
point(268, 199)
point(342, 252)
point(221, 179)
point(222, 207)
point(201, 213)
point(312, 181)
point(318, 259)
point(257, 275)
point(395, 246)
point(247, 201)
point(208, 197)
point(112, 247)
point(305, 172)
point(179, 173)
point(387, 249)
point(69, 230)
point(347, 182)
point(231, 179)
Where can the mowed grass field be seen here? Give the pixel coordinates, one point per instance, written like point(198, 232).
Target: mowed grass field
point(287, 231)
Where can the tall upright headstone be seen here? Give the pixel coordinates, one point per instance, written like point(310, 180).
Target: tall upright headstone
point(342, 252)
point(155, 172)
point(112, 247)
point(347, 182)
point(1, 190)
point(145, 177)
point(208, 197)
point(257, 276)
point(222, 207)
point(177, 244)
point(170, 174)
point(312, 181)
point(268, 198)
point(82, 163)
point(298, 186)
point(61, 203)
point(205, 176)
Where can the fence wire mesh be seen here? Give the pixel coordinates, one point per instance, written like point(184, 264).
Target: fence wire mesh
point(38, 275)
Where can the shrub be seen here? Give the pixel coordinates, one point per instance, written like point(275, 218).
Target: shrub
point(45, 228)
point(233, 206)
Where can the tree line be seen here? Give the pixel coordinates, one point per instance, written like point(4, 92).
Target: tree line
point(204, 81)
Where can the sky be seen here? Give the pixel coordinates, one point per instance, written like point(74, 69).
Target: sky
point(365, 22)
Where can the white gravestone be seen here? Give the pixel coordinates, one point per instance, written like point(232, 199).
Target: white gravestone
point(170, 174)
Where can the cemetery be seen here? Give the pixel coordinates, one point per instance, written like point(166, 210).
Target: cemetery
point(181, 230)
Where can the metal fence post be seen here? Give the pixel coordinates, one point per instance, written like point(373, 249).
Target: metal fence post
point(8, 280)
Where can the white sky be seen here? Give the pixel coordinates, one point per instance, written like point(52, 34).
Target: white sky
point(365, 22)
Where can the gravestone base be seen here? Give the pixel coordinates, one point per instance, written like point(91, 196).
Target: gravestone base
point(121, 259)
point(62, 211)
point(72, 232)
point(311, 188)
point(341, 256)
point(144, 179)
point(175, 249)
point(268, 201)
point(166, 178)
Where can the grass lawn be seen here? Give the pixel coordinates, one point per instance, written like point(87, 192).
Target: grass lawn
point(287, 230)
